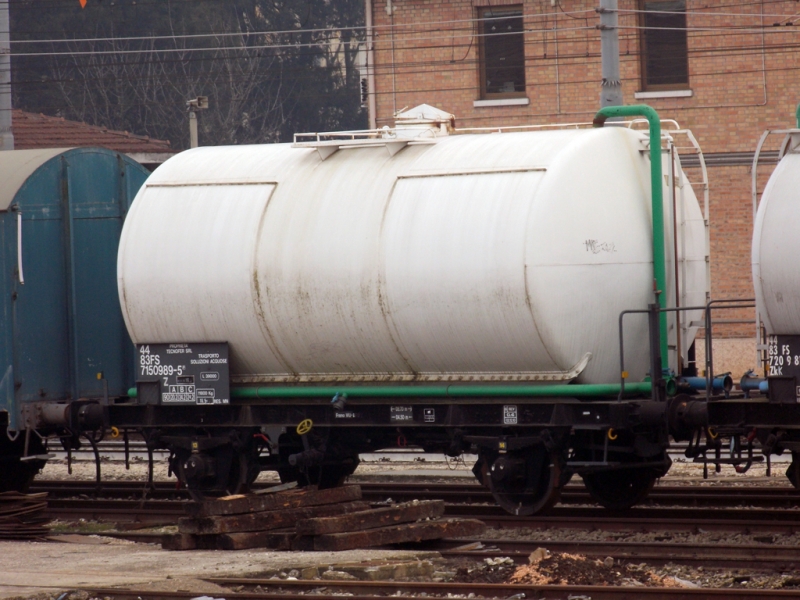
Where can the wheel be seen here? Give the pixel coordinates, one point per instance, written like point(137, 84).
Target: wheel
point(621, 489)
point(211, 476)
point(639, 460)
point(793, 471)
point(337, 464)
point(324, 477)
point(17, 475)
point(524, 482)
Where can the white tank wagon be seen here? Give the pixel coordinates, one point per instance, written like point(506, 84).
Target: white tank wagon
point(494, 257)
point(410, 287)
point(776, 279)
point(776, 246)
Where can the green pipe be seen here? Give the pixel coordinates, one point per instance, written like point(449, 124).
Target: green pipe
point(659, 257)
point(438, 391)
point(797, 116)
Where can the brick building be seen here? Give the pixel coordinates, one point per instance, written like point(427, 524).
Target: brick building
point(727, 71)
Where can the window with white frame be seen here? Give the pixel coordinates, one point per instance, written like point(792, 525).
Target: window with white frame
point(502, 52)
point(664, 50)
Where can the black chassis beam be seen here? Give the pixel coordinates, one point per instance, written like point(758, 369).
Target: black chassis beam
point(411, 412)
point(749, 413)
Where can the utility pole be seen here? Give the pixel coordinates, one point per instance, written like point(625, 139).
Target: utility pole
point(195, 105)
point(611, 92)
point(6, 135)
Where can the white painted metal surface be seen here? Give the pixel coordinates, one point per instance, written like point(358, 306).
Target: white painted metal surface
point(16, 166)
point(496, 257)
point(776, 246)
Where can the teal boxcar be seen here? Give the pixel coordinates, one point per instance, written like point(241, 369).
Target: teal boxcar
point(62, 336)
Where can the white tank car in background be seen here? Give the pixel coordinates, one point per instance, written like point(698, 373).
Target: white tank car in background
point(776, 247)
point(486, 257)
point(776, 279)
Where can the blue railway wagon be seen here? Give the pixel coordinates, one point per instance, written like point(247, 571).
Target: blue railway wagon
point(62, 335)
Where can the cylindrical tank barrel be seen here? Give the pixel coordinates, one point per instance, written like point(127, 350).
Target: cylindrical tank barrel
point(503, 257)
point(776, 245)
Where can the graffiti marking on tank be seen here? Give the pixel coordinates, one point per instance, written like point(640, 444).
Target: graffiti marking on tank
point(596, 246)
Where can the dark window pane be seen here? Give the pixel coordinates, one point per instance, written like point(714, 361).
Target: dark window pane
point(503, 52)
point(666, 57)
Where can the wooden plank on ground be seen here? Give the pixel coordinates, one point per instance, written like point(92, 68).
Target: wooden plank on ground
point(274, 540)
point(303, 543)
point(238, 505)
point(407, 512)
point(264, 521)
point(280, 539)
point(186, 541)
point(395, 534)
point(277, 488)
point(179, 541)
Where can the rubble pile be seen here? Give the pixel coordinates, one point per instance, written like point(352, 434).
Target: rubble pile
point(560, 568)
point(554, 568)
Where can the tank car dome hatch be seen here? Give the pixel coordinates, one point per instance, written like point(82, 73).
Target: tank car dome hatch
point(775, 246)
point(494, 257)
point(61, 213)
point(423, 121)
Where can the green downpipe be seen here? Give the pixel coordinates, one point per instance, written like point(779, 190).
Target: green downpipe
point(659, 257)
point(438, 391)
point(797, 116)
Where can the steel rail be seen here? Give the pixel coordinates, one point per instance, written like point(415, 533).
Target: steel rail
point(716, 501)
point(625, 522)
point(507, 590)
point(685, 519)
point(719, 496)
point(482, 511)
point(763, 557)
point(368, 590)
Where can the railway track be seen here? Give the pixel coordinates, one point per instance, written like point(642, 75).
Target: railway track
point(773, 509)
point(728, 496)
point(135, 513)
point(762, 557)
point(266, 589)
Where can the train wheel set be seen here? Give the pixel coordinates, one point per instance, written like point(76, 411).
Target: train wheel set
point(521, 297)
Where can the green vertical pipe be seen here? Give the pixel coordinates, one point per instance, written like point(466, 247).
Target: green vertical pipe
point(797, 116)
point(659, 256)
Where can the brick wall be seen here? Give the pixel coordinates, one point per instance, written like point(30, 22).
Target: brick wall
point(742, 83)
point(743, 79)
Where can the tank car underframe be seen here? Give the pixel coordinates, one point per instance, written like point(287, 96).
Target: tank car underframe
point(527, 448)
point(774, 424)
